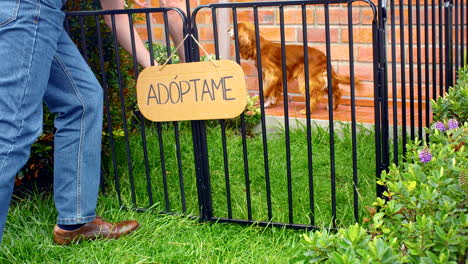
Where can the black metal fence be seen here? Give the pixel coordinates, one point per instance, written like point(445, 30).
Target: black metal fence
point(282, 179)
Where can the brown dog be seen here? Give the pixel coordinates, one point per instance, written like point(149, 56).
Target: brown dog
point(272, 69)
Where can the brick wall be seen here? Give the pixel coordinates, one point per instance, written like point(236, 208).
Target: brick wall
point(362, 15)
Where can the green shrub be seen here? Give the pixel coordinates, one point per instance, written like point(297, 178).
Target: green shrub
point(455, 103)
point(422, 218)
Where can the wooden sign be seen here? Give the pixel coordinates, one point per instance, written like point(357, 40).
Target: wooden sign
point(192, 91)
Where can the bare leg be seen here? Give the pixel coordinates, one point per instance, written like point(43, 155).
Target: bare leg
point(175, 25)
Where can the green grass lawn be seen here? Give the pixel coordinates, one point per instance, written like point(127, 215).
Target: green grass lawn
point(257, 177)
point(177, 239)
point(161, 239)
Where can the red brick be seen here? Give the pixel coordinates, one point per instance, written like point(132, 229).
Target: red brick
point(209, 47)
point(337, 16)
point(205, 33)
point(406, 34)
point(249, 68)
point(157, 33)
point(360, 35)
point(264, 16)
point(158, 18)
point(365, 53)
point(318, 34)
point(363, 71)
point(252, 83)
point(294, 16)
point(204, 17)
point(367, 16)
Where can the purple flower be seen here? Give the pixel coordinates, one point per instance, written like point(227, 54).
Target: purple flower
point(425, 156)
point(440, 126)
point(452, 124)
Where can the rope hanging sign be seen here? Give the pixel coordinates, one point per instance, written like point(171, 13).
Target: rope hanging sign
point(192, 91)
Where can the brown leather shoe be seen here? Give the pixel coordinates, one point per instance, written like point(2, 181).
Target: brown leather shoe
point(96, 229)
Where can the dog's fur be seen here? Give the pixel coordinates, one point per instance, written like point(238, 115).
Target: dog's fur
point(272, 67)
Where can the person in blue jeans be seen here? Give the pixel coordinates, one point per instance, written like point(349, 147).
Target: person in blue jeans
point(39, 62)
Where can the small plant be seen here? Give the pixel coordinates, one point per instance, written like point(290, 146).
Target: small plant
point(160, 53)
point(252, 116)
point(208, 57)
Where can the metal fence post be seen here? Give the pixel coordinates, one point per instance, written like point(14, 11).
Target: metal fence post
point(382, 124)
point(202, 170)
point(200, 144)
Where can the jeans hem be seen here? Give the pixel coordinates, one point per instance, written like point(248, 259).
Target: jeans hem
point(74, 221)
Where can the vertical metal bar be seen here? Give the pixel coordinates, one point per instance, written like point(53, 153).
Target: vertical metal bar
point(83, 39)
point(434, 51)
point(202, 170)
point(158, 125)
point(419, 70)
point(411, 69)
point(353, 112)
point(140, 116)
point(107, 109)
point(262, 109)
point(441, 48)
point(286, 115)
point(188, 12)
point(448, 44)
point(456, 58)
point(163, 167)
point(226, 168)
point(66, 24)
point(124, 117)
point(243, 128)
point(404, 133)
point(394, 85)
point(426, 55)
point(179, 167)
point(308, 122)
point(330, 114)
point(206, 179)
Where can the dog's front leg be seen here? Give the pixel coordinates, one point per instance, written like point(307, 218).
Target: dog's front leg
point(270, 83)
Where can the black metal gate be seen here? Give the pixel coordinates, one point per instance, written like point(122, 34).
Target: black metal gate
point(153, 167)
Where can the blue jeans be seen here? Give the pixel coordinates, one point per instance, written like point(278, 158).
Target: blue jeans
point(39, 62)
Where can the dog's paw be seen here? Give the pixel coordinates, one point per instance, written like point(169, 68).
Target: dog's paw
point(270, 101)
